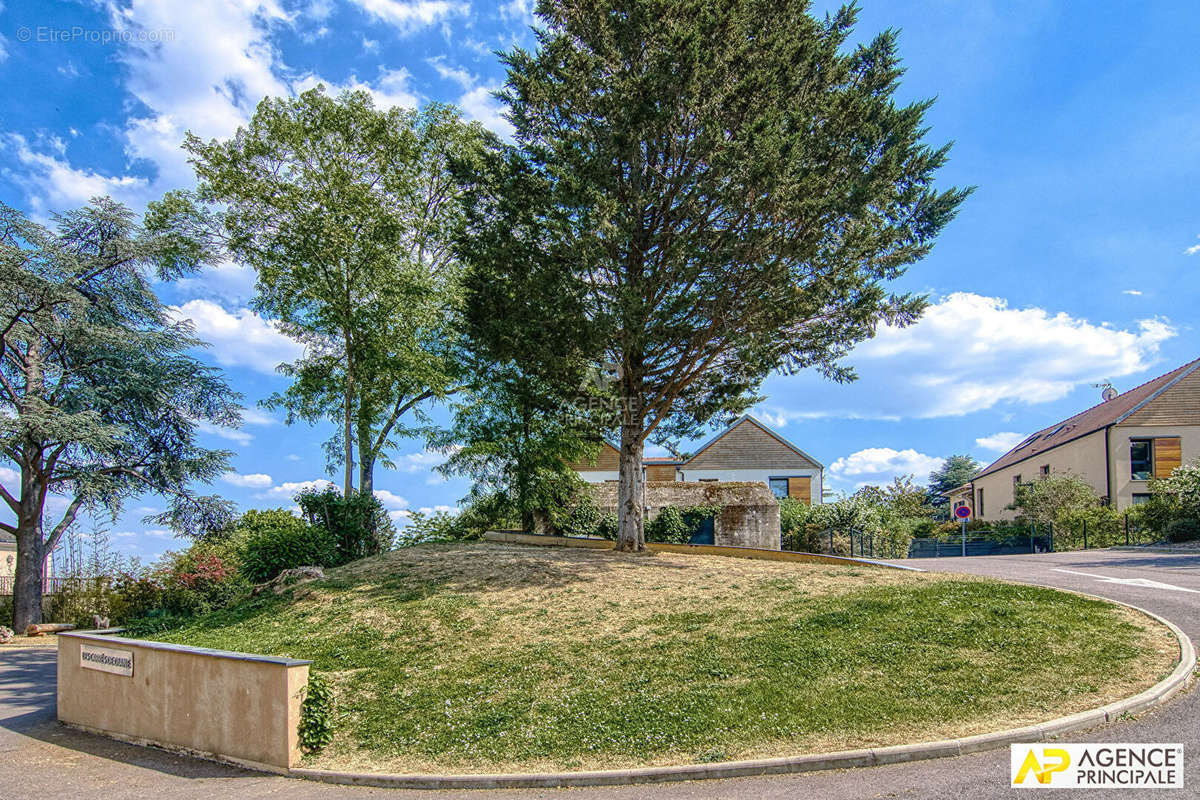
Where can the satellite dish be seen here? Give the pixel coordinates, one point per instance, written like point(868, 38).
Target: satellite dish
point(1107, 392)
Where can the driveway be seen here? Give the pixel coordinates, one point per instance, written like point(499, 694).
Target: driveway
point(40, 759)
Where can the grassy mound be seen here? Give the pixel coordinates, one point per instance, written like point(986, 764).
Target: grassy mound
point(497, 657)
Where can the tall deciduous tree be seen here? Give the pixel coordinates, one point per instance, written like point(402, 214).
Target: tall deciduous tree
point(99, 401)
point(347, 213)
point(729, 187)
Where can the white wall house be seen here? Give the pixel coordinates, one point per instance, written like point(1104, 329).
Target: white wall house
point(745, 451)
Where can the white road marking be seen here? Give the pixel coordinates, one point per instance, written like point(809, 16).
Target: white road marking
point(1149, 584)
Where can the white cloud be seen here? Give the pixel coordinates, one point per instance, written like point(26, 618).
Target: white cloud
point(292, 488)
point(1133, 292)
point(232, 434)
point(424, 460)
point(881, 464)
point(1191, 251)
point(241, 339)
point(256, 480)
point(390, 500)
point(293, 457)
point(1000, 442)
point(971, 353)
point(53, 184)
point(409, 16)
point(452, 510)
point(252, 416)
point(479, 104)
point(521, 10)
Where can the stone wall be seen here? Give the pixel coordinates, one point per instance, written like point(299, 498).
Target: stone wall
point(749, 512)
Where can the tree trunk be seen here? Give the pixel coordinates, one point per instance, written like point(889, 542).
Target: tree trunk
point(347, 434)
point(366, 471)
point(631, 489)
point(27, 583)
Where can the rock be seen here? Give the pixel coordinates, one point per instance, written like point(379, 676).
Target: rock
point(290, 578)
point(6, 635)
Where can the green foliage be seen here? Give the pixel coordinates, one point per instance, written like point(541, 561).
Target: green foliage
point(1105, 527)
point(902, 498)
point(664, 154)
point(1049, 499)
point(953, 473)
point(1184, 529)
point(678, 525)
point(100, 397)
point(467, 525)
point(316, 715)
point(272, 550)
point(1174, 498)
point(346, 213)
point(512, 438)
point(356, 526)
point(583, 517)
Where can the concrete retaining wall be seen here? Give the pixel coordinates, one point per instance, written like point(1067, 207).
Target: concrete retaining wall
point(213, 703)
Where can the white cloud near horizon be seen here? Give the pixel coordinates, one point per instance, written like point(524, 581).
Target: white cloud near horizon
point(1191, 251)
point(971, 353)
point(1000, 442)
point(879, 465)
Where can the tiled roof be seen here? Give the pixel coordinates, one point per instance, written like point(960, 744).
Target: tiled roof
point(1093, 419)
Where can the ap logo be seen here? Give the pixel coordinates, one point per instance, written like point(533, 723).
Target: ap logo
point(1053, 759)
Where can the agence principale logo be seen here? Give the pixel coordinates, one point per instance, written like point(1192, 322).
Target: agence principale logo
point(1096, 766)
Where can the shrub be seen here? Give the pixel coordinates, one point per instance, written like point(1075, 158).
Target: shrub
point(1184, 529)
point(357, 526)
point(271, 551)
point(316, 715)
point(583, 518)
point(1047, 499)
point(607, 529)
point(669, 526)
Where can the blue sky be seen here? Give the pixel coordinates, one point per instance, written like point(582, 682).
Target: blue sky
point(1077, 260)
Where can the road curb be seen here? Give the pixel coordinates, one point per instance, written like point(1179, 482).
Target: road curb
point(1156, 695)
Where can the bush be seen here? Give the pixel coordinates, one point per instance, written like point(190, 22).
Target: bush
point(669, 526)
point(357, 526)
point(678, 525)
point(607, 529)
point(583, 517)
point(1185, 529)
point(271, 551)
point(316, 715)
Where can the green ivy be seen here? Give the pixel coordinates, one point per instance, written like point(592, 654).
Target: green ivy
point(316, 715)
point(676, 525)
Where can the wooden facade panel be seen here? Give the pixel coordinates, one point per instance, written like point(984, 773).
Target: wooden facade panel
point(749, 446)
point(660, 472)
point(1168, 456)
point(1177, 405)
point(607, 460)
point(800, 489)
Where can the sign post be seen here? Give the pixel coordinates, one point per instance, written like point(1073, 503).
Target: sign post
point(963, 512)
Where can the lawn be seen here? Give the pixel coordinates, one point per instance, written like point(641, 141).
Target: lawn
point(485, 657)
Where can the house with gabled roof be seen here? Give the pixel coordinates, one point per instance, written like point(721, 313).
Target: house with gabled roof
point(1116, 446)
point(748, 450)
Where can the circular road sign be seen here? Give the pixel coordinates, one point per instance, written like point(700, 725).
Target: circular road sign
point(962, 512)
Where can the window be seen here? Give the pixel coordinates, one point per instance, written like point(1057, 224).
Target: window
point(1138, 499)
point(1141, 459)
point(779, 487)
point(1045, 470)
point(709, 480)
point(979, 505)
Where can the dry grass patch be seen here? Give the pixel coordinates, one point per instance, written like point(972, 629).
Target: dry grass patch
point(502, 657)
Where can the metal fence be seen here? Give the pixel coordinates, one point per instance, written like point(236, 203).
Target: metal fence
point(49, 585)
point(997, 539)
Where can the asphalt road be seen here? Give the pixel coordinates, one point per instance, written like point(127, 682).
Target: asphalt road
point(40, 759)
